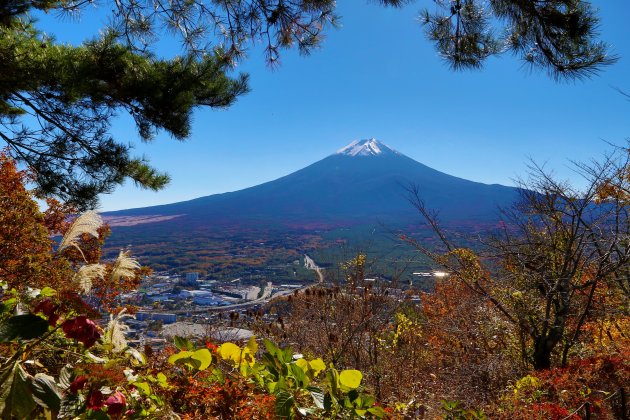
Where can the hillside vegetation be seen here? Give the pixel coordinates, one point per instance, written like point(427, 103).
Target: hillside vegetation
point(471, 349)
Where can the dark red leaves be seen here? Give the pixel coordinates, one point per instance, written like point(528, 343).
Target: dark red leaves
point(95, 400)
point(78, 384)
point(116, 403)
point(82, 329)
point(49, 309)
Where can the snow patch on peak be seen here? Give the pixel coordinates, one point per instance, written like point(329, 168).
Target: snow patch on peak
point(369, 147)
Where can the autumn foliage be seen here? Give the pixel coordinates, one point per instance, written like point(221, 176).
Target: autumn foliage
point(467, 349)
point(533, 322)
point(25, 243)
point(61, 358)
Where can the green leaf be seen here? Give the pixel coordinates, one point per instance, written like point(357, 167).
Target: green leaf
point(298, 375)
point(16, 399)
point(161, 379)
point(367, 400)
point(46, 393)
point(271, 386)
point(217, 376)
point(332, 379)
point(269, 361)
point(183, 344)
point(281, 384)
point(350, 379)
point(329, 402)
point(204, 357)
point(8, 305)
point(377, 411)
point(143, 387)
point(347, 403)
point(48, 292)
point(286, 355)
point(24, 327)
point(271, 348)
point(302, 363)
point(284, 404)
point(354, 397)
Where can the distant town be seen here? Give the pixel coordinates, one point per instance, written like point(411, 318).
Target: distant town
point(187, 304)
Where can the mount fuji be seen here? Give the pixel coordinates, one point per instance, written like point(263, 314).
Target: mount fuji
point(362, 183)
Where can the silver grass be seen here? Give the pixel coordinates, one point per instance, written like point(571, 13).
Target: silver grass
point(87, 274)
point(89, 222)
point(116, 329)
point(95, 358)
point(124, 266)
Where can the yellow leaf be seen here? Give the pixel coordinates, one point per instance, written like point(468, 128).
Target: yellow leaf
point(350, 379)
point(204, 357)
point(316, 365)
point(177, 356)
point(230, 351)
point(302, 364)
point(252, 345)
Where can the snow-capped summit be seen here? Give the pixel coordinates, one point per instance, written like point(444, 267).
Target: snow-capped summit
point(364, 181)
point(367, 147)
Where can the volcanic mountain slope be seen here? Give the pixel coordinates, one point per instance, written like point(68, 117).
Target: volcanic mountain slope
point(363, 183)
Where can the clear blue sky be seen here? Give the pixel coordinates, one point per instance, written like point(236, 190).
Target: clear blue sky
point(377, 76)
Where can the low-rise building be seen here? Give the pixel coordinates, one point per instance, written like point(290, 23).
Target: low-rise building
point(156, 316)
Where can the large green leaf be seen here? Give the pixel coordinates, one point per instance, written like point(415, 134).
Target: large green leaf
point(284, 404)
point(16, 400)
point(46, 392)
point(298, 375)
point(271, 347)
point(367, 401)
point(24, 327)
point(312, 368)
